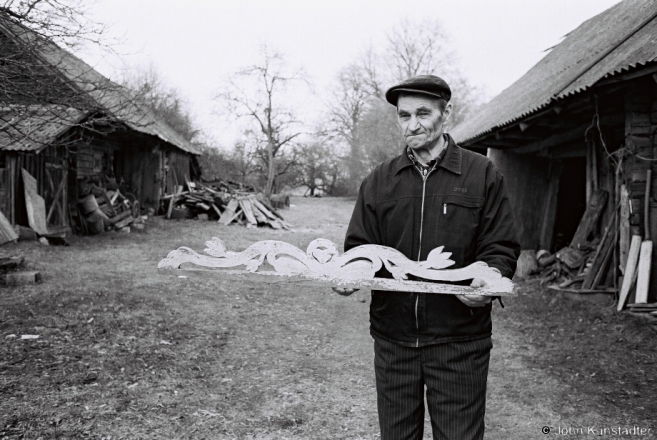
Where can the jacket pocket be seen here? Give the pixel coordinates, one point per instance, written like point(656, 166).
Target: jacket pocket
point(461, 213)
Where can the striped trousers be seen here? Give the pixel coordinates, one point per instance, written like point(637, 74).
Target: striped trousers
point(454, 375)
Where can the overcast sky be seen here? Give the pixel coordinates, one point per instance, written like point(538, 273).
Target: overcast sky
point(197, 44)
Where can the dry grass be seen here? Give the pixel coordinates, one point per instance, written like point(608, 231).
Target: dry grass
point(126, 352)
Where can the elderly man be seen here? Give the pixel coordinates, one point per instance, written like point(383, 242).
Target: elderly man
point(433, 194)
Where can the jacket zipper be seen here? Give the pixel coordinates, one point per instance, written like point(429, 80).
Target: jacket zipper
point(425, 175)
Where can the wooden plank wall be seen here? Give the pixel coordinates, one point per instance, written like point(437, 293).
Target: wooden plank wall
point(179, 167)
point(532, 184)
point(141, 169)
point(48, 167)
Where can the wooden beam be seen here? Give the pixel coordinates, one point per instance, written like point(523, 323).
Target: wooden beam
point(517, 136)
point(554, 140)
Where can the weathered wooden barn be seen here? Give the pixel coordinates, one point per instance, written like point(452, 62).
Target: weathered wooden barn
point(583, 119)
point(93, 128)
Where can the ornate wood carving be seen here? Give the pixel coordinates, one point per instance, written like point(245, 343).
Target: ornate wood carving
point(322, 264)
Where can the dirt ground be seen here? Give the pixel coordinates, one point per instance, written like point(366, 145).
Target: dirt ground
point(125, 352)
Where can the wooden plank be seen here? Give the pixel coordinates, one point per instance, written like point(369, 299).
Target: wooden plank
point(262, 200)
point(643, 306)
point(7, 263)
point(624, 227)
point(230, 213)
point(20, 278)
point(7, 232)
point(248, 212)
point(645, 254)
point(322, 263)
point(379, 284)
point(590, 218)
point(215, 209)
point(643, 277)
point(562, 289)
point(35, 205)
point(125, 222)
point(119, 217)
point(602, 271)
point(630, 270)
point(173, 201)
point(263, 208)
point(260, 217)
point(600, 258)
point(169, 196)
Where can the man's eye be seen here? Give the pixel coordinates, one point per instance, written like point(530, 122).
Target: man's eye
point(404, 116)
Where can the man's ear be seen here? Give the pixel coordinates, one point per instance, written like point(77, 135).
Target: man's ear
point(447, 112)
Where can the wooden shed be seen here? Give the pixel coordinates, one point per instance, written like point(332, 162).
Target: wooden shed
point(578, 129)
point(95, 128)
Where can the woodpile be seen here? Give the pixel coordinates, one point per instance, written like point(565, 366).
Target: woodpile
point(104, 209)
point(587, 264)
point(617, 261)
point(225, 202)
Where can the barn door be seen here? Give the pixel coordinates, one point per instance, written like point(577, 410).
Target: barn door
point(56, 194)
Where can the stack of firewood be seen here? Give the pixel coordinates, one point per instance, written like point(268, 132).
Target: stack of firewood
point(587, 264)
point(252, 211)
point(224, 201)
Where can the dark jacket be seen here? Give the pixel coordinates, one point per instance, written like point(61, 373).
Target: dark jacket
point(465, 209)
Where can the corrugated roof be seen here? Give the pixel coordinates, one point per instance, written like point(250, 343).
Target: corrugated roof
point(621, 38)
point(111, 97)
point(31, 128)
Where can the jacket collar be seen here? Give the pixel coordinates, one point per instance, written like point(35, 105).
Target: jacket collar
point(451, 161)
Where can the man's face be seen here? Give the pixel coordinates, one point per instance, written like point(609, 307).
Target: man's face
point(421, 119)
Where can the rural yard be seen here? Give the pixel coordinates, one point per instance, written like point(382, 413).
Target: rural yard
point(125, 352)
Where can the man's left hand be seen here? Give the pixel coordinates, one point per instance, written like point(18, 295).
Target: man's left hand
point(475, 300)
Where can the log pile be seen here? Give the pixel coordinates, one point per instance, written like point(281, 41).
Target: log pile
point(587, 264)
point(223, 201)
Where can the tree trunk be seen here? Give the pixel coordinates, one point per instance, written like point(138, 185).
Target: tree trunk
point(271, 172)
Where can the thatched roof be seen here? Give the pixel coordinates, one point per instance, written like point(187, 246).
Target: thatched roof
point(622, 38)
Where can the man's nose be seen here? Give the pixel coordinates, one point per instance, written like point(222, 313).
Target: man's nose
point(413, 124)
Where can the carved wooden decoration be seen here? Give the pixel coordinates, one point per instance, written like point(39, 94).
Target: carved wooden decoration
point(323, 265)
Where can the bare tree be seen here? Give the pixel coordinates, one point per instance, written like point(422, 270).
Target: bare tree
point(320, 167)
point(257, 93)
point(166, 102)
point(417, 48)
point(346, 107)
point(43, 87)
point(423, 48)
point(64, 22)
point(358, 114)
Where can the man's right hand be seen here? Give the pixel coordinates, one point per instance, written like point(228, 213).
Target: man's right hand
point(344, 291)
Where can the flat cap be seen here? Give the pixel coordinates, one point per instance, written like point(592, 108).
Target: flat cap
point(423, 84)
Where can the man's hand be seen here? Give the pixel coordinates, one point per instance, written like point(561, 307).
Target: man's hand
point(476, 300)
point(344, 291)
